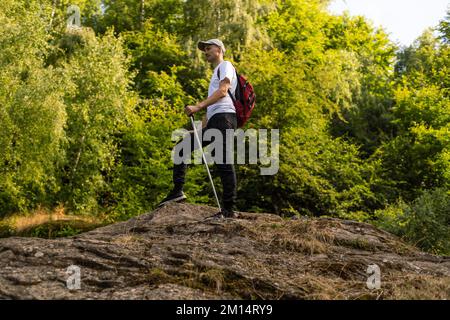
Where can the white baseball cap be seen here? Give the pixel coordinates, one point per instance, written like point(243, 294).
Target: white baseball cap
point(202, 44)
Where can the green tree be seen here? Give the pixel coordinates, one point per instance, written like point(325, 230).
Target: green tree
point(444, 28)
point(367, 122)
point(98, 105)
point(417, 158)
point(32, 112)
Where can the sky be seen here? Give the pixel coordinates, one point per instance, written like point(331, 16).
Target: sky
point(403, 20)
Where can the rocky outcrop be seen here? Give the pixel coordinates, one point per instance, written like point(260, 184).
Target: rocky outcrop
point(174, 253)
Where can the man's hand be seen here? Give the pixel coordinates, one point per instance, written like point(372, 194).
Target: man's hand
point(220, 93)
point(190, 110)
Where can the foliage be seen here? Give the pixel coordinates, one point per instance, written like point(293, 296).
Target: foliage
point(424, 222)
point(417, 157)
point(32, 112)
point(99, 106)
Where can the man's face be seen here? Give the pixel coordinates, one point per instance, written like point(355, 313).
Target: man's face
point(212, 52)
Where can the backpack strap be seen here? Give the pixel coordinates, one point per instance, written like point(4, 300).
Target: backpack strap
point(229, 92)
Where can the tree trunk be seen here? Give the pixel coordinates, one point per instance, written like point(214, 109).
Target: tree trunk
point(142, 13)
point(53, 13)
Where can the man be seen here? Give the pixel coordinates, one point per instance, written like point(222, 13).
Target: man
point(221, 115)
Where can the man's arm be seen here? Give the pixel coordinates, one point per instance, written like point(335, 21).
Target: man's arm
point(220, 93)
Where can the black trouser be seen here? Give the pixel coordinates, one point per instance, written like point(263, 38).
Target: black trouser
point(222, 122)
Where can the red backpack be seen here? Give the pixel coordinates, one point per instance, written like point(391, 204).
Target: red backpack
point(244, 100)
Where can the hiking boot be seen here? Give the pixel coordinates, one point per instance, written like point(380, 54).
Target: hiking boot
point(217, 216)
point(173, 196)
point(229, 214)
point(224, 214)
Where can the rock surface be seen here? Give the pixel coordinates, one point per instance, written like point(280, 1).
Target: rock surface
point(174, 253)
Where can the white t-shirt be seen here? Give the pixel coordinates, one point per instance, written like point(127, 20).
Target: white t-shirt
point(224, 105)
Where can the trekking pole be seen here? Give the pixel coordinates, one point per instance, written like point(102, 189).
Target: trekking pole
point(204, 160)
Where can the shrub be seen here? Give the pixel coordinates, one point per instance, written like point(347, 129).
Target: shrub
point(425, 222)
